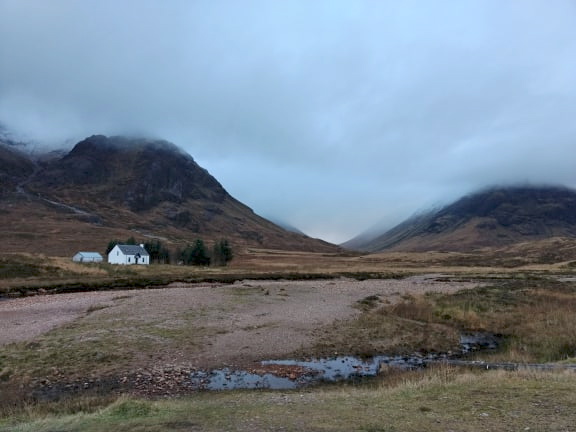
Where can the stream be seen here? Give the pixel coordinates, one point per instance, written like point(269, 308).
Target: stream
point(290, 374)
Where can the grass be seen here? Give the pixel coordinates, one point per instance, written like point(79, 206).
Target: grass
point(25, 274)
point(103, 343)
point(440, 399)
point(25, 266)
point(536, 316)
point(373, 333)
point(368, 302)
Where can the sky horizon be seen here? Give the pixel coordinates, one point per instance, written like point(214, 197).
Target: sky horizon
point(332, 116)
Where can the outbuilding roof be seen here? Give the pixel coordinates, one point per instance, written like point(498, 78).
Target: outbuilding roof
point(132, 250)
point(89, 255)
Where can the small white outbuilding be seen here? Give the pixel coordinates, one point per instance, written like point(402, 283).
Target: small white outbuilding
point(86, 257)
point(129, 254)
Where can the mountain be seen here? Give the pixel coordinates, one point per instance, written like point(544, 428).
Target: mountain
point(285, 225)
point(117, 187)
point(494, 217)
point(15, 167)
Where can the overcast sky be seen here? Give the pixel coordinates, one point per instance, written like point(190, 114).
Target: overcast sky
point(330, 115)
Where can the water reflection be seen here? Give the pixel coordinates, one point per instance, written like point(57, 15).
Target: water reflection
point(309, 371)
point(226, 379)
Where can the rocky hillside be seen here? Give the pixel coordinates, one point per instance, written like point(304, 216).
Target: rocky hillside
point(495, 217)
point(15, 168)
point(117, 187)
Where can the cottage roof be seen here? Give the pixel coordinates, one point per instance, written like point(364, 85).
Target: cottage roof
point(90, 254)
point(132, 250)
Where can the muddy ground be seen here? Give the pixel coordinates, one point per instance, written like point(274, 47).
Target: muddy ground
point(246, 321)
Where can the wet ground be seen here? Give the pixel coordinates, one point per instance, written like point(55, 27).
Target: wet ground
point(290, 374)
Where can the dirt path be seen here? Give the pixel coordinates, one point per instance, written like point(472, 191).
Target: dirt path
point(246, 321)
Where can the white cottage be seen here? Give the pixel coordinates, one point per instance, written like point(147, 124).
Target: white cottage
point(129, 254)
point(84, 257)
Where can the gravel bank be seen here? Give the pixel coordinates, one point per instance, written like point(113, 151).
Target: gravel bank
point(255, 319)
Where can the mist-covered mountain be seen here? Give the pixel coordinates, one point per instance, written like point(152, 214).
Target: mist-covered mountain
point(117, 187)
point(15, 167)
point(283, 224)
point(494, 217)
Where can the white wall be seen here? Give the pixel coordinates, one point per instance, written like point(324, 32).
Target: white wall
point(116, 256)
point(143, 260)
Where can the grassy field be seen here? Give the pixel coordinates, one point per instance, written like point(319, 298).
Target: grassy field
point(531, 306)
point(536, 317)
point(25, 274)
point(440, 399)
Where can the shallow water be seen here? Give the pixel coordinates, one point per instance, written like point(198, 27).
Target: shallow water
point(332, 369)
point(317, 370)
point(226, 379)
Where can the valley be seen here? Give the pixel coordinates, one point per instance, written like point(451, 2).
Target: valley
point(84, 353)
point(133, 347)
point(292, 216)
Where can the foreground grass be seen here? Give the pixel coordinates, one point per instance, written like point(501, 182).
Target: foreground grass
point(436, 400)
point(536, 317)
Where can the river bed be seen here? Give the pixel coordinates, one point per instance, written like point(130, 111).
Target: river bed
point(292, 373)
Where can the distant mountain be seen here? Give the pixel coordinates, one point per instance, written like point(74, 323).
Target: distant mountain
point(495, 217)
point(116, 187)
point(15, 167)
point(285, 225)
point(9, 139)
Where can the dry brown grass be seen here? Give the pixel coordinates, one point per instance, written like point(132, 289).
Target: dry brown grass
point(537, 318)
point(439, 399)
point(67, 265)
point(42, 271)
point(536, 314)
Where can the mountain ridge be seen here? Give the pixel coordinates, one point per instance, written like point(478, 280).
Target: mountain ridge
point(113, 187)
point(492, 217)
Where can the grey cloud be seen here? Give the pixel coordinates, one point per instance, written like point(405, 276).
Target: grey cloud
point(331, 115)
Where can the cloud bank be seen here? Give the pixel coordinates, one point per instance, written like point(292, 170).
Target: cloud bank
point(330, 115)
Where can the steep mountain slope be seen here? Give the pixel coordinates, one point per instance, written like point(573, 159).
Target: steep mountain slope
point(15, 168)
point(116, 187)
point(493, 217)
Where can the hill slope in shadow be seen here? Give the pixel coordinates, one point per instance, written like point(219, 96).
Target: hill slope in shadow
point(493, 217)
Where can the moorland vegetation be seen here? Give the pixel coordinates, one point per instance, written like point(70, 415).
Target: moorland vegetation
point(532, 307)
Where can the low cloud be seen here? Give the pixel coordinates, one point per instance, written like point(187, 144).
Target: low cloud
point(331, 115)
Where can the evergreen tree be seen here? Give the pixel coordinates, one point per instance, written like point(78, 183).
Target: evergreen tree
point(222, 253)
point(164, 255)
point(111, 245)
point(195, 254)
point(153, 248)
point(199, 253)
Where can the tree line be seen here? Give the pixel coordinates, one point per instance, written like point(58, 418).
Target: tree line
point(195, 253)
